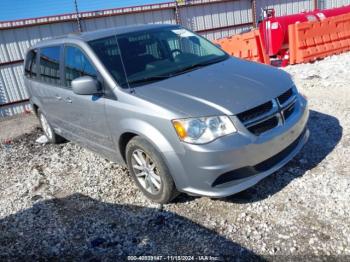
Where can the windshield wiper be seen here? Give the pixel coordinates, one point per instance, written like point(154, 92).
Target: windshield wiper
point(198, 65)
point(149, 79)
point(178, 72)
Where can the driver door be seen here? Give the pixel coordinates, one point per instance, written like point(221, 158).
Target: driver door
point(84, 115)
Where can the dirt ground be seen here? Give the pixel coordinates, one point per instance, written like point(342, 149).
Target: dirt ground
point(65, 201)
point(17, 126)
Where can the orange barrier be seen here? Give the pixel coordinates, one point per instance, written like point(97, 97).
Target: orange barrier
point(247, 46)
point(309, 41)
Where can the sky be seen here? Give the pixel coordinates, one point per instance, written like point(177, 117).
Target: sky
point(20, 9)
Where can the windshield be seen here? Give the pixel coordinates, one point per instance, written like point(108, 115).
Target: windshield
point(153, 55)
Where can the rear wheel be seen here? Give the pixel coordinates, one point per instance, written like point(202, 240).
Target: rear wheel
point(48, 130)
point(149, 171)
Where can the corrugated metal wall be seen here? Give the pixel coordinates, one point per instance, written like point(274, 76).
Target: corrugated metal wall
point(284, 7)
point(325, 4)
point(218, 20)
point(211, 18)
point(14, 43)
point(154, 17)
point(12, 89)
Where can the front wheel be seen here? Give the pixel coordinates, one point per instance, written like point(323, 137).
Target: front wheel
point(149, 171)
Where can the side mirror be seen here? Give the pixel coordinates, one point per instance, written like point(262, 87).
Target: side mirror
point(86, 85)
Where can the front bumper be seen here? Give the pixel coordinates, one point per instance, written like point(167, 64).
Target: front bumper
point(198, 167)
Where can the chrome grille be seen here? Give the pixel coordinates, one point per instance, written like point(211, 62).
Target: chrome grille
point(255, 112)
point(289, 111)
point(285, 96)
point(264, 125)
point(269, 115)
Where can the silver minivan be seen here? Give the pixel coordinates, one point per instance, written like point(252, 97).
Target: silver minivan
point(182, 114)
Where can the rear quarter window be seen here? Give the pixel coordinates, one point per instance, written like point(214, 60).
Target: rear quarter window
point(30, 68)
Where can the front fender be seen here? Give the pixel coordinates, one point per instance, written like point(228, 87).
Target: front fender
point(147, 131)
point(161, 142)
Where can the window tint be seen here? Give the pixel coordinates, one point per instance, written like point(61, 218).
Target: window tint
point(139, 57)
point(76, 64)
point(30, 66)
point(49, 64)
point(107, 50)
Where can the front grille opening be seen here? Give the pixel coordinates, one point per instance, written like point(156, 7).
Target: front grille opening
point(288, 112)
point(285, 96)
point(264, 126)
point(237, 174)
point(248, 171)
point(255, 112)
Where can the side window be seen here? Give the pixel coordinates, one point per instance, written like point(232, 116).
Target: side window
point(30, 66)
point(50, 64)
point(76, 64)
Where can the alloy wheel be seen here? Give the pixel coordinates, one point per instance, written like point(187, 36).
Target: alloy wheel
point(146, 171)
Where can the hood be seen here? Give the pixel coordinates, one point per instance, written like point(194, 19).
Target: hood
point(229, 87)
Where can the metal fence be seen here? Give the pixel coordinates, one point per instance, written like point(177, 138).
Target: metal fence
point(211, 18)
point(324, 4)
point(283, 7)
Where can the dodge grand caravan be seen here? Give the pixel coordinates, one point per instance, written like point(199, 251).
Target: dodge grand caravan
point(182, 114)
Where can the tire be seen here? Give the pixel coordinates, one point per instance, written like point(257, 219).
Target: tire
point(52, 137)
point(156, 182)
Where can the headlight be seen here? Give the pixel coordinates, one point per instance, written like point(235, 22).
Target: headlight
point(204, 129)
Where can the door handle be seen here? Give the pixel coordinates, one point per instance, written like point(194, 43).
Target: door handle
point(68, 100)
point(58, 97)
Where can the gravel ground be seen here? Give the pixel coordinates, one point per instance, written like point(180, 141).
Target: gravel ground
point(11, 128)
point(62, 200)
